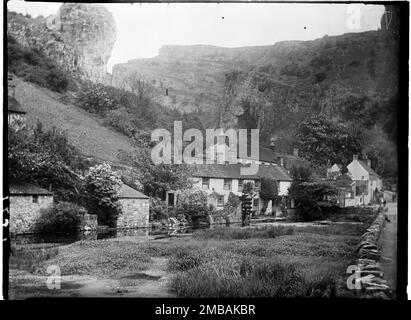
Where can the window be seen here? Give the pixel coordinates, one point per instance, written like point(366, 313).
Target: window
point(206, 183)
point(171, 199)
point(255, 204)
point(220, 201)
point(240, 184)
point(362, 189)
point(227, 184)
point(35, 199)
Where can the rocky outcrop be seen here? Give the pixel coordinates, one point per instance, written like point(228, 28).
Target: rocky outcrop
point(79, 38)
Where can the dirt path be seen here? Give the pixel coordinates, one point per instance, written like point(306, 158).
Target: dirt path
point(151, 282)
point(388, 258)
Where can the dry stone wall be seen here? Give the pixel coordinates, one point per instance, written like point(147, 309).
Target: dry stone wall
point(370, 274)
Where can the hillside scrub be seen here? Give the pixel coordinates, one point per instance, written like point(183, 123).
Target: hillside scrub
point(33, 66)
point(46, 158)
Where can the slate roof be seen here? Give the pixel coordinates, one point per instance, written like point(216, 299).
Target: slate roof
point(368, 169)
point(14, 106)
point(127, 192)
point(27, 189)
point(265, 154)
point(232, 171)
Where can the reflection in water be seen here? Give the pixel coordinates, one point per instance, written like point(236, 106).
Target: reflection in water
point(66, 238)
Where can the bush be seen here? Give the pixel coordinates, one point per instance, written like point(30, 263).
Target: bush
point(96, 98)
point(64, 216)
point(34, 66)
point(100, 194)
point(193, 206)
point(57, 80)
point(159, 210)
point(119, 119)
point(308, 196)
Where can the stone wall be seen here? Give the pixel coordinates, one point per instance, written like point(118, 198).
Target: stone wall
point(24, 212)
point(88, 221)
point(370, 275)
point(135, 213)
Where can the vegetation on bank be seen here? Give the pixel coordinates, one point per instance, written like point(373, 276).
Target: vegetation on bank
point(61, 217)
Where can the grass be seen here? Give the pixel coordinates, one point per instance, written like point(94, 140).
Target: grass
point(243, 233)
point(99, 258)
point(252, 277)
point(30, 259)
point(84, 130)
point(227, 262)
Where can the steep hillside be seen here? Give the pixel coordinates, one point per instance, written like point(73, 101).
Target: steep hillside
point(353, 76)
point(191, 77)
point(84, 131)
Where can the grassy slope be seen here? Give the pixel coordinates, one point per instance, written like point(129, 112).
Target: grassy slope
point(83, 130)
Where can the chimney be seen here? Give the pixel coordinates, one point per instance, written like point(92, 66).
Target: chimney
point(295, 152)
point(355, 157)
point(282, 161)
point(369, 162)
point(11, 86)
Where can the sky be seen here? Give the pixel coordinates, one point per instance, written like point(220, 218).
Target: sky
point(143, 28)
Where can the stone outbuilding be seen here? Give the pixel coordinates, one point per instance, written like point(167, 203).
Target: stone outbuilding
point(15, 112)
point(26, 202)
point(135, 208)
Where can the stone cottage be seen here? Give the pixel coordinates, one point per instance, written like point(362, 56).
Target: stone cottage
point(135, 208)
point(16, 114)
point(26, 201)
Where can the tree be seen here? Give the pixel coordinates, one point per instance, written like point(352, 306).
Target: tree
point(307, 196)
point(269, 191)
point(157, 179)
point(46, 158)
point(101, 194)
point(301, 173)
point(320, 139)
point(194, 206)
point(247, 202)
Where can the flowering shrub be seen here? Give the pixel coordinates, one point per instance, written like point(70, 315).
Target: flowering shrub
point(101, 194)
point(97, 98)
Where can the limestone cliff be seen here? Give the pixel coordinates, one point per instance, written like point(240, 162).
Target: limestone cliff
point(79, 37)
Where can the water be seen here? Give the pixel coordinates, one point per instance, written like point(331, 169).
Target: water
point(67, 238)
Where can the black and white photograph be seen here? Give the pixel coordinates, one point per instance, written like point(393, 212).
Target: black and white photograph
point(205, 150)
